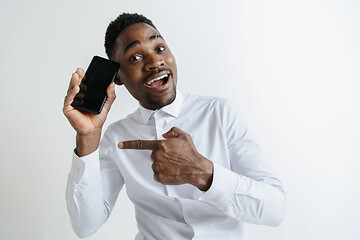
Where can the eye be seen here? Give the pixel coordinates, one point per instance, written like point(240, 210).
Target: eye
point(160, 49)
point(135, 58)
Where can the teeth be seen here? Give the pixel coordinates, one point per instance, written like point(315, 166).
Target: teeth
point(158, 78)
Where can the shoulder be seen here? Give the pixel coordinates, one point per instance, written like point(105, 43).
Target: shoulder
point(206, 101)
point(219, 108)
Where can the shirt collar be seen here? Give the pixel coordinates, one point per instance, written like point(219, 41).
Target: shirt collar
point(172, 109)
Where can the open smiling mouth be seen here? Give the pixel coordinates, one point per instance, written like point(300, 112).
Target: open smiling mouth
point(159, 81)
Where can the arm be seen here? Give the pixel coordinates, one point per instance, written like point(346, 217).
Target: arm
point(243, 198)
point(92, 185)
point(92, 189)
point(248, 191)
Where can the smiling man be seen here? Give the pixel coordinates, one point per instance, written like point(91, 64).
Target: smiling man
point(149, 68)
point(187, 162)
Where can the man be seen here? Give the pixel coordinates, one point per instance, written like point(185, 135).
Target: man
point(187, 162)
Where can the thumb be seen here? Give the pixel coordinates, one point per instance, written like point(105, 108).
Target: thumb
point(174, 132)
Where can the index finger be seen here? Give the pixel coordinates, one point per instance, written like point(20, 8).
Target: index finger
point(139, 144)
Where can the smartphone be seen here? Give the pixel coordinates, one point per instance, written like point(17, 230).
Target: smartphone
point(98, 76)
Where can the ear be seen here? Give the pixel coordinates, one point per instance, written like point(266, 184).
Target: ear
point(117, 80)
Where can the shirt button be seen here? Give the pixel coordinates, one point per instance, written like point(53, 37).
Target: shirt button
point(212, 200)
point(238, 216)
point(173, 194)
point(78, 170)
point(161, 130)
point(189, 215)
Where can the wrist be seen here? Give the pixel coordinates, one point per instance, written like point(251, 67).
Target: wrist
point(204, 180)
point(87, 143)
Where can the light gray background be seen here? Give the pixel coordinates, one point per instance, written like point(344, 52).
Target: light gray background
point(291, 67)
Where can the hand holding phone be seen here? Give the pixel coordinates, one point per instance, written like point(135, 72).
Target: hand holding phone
point(87, 125)
point(82, 121)
point(99, 75)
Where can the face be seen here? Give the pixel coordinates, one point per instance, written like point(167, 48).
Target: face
point(147, 66)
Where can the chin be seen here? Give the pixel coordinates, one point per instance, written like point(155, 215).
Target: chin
point(166, 100)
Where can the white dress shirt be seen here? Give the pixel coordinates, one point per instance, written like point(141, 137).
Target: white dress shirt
point(243, 189)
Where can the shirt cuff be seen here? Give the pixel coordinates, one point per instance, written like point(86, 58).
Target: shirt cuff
point(84, 168)
point(222, 188)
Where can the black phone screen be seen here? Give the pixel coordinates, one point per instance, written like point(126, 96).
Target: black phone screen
point(99, 75)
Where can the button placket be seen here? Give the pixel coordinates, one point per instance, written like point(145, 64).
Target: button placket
point(159, 125)
point(170, 192)
point(188, 211)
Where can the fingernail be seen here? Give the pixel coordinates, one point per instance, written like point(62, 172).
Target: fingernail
point(120, 145)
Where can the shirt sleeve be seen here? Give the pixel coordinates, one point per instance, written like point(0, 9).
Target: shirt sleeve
point(94, 183)
point(248, 191)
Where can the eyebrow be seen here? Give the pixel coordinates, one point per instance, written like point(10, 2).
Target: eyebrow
point(134, 43)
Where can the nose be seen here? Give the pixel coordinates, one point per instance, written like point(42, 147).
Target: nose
point(154, 62)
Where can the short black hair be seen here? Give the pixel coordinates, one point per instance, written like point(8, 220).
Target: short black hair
point(118, 25)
